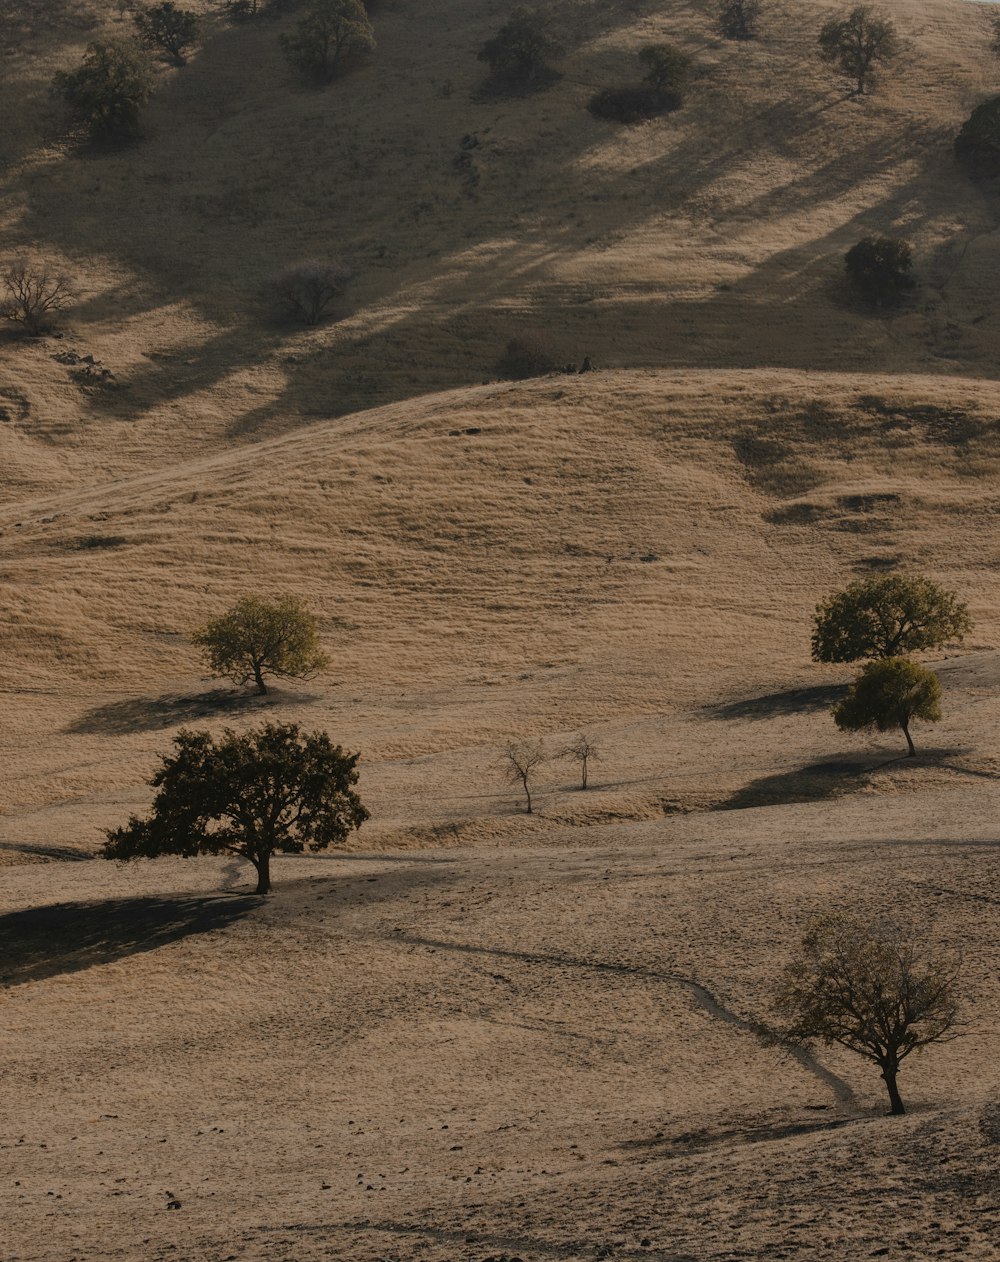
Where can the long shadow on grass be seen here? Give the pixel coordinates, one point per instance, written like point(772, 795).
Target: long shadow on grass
point(149, 714)
point(776, 704)
point(68, 937)
point(815, 782)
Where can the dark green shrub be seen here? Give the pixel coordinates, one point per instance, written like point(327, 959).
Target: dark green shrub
point(977, 145)
point(521, 50)
point(633, 104)
point(107, 91)
point(667, 68)
point(331, 31)
point(878, 268)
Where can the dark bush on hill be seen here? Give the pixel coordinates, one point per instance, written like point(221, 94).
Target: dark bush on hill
point(528, 355)
point(977, 145)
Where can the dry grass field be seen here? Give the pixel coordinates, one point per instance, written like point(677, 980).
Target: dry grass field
point(473, 1033)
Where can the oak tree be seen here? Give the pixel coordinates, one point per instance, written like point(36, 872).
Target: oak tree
point(888, 616)
point(520, 760)
point(858, 43)
point(869, 987)
point(330, 32)
point(251, 795)
point(106, 92)
point(890, 693)
point(258, 637)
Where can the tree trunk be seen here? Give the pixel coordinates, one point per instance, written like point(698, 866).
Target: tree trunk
point(583, 779)
point(527, 792)
point(904, 724)
point(263, 865)
point(895, 1099)
point(259, 680)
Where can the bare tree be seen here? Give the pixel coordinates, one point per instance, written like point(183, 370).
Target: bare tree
point(34, 292)
point(308, 290)
point(867, 986)
point(520, 760)
point(581, 750)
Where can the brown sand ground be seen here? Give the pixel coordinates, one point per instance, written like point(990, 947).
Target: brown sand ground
point(477, 1033)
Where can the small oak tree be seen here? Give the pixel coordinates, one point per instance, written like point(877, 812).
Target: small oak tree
point(250, 795)
point(106, 92)
point(308, 290)
point(33, 292)
point(858, 43)
point(521, 50)
point(259, 637)
point(520, 761)
point(890, 693)
point(168, 28)
point(738, 18)
point(581, 750)
point(667, 70)
point(331, 31)
point(887, 617)
point(867, 987)
point(879, 269)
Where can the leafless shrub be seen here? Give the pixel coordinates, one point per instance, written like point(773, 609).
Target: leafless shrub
point(308, 290)
point(581, 750)
point(519, 762)
point(33, 293)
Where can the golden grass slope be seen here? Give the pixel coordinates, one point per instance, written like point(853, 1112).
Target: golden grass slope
point(710, 237)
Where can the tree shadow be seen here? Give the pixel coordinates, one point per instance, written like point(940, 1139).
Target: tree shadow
point(62, 938)
point(775, 704)
point(151, 714)
point(815, 782)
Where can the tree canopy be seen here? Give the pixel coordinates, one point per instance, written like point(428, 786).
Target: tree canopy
point(330, 31)
point(259, 637)
point(107, 91)
point(250, 795)
point(868, 987)
point(879, 268)
point(521, 49)
point(859, 42)
point(977, 145)
point(890, 693)
point(168, 28)
point(887, 616)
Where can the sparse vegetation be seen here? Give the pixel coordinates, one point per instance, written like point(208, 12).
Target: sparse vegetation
point(243, 10)
point(879, 269)
point(330, 32)
point(522, 50)
point(32, 294)
point(581, 750)
point(859, 43)
point(308, 290)
point(890, 693)
point(168, 28)
point(520, 761)
point(977, 145)
point(259, 637)
point(250, 795)
point(867, 986)
point(106, 93)
point(528, 355)
point(888, 616)
point(738, 18)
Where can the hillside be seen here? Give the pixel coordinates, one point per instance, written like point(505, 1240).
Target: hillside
point(474, 1034)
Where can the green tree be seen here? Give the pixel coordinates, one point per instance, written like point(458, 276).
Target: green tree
point(105, 94)
point(889, 693)
point(521, 50)
point(330, 31)
point(168, 28)
point(738, 18)
point(251, 795)
point(977, 145)
point(867, 987)
point(879, 268)
point(667, 69)
point(858, 43)
point(259, 637)
point(887, 617)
